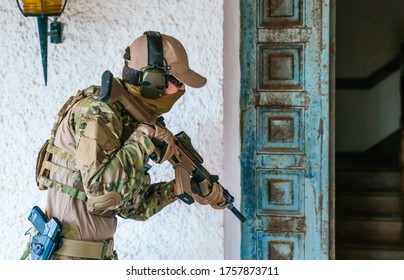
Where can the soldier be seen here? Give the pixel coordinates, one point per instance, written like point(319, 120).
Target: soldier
point(93, 165)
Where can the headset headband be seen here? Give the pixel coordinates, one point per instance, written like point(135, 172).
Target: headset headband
point(155, 54)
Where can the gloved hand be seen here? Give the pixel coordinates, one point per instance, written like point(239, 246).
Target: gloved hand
point(205, 193)
point(146, 129)
point(162, 139)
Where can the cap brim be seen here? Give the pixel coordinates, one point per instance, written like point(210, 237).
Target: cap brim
point(192, 79)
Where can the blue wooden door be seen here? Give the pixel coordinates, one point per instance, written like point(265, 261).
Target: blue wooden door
point(285, 128)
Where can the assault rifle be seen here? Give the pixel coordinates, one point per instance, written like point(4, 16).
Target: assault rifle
point(48, 238)
point(187, 164)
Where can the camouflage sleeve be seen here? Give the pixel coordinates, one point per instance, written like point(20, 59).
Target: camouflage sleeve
point(109, 166)
point(151, 199)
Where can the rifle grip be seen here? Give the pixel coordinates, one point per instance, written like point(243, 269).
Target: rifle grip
point(183, 182)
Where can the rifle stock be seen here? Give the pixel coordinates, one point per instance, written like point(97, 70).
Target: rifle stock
point(112, 91)
point(187, 163)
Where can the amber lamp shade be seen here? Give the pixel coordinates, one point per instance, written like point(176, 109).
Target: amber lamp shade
point(41, 7)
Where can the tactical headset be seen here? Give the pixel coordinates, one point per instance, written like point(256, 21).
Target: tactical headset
point(153, 79)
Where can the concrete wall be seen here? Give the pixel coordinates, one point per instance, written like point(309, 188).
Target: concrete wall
point(95, 36)
point(368, 35)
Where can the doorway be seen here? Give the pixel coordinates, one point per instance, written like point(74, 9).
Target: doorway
point(369, 220)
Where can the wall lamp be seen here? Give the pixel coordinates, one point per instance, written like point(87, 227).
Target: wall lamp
point(42, 9)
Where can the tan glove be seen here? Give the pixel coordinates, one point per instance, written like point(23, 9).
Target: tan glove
point(214, 197)
point(162, 139)
point(146, 129)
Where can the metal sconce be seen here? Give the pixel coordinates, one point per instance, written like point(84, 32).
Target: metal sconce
point(42, 9)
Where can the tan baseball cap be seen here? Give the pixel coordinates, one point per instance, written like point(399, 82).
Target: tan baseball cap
point(175, 56)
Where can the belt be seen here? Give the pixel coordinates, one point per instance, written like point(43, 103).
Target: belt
point(86, 249)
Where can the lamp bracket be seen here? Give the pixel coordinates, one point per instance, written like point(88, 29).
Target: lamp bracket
point(55, 32)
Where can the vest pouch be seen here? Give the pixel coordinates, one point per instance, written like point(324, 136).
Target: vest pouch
point(39, 170)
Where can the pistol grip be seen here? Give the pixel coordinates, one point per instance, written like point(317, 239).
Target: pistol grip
point(183, 182)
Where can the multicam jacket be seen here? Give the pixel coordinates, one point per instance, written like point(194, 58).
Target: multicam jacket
point(94, 150)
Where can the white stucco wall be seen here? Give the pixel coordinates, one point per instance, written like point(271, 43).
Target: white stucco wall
point(95, 35)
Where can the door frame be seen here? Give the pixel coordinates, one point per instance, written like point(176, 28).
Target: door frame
point(332, 128)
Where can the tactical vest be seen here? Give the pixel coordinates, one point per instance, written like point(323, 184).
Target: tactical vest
point(44, 164)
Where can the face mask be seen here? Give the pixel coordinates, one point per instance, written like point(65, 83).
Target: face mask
point(159, 105)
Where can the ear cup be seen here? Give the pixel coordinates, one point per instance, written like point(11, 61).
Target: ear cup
point(153, 83)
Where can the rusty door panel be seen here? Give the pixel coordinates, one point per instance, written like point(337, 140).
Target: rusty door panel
point(284, 121)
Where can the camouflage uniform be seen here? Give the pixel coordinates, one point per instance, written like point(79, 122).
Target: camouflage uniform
point(94, 150)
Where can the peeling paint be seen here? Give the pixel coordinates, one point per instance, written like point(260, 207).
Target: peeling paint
point(284, 59)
